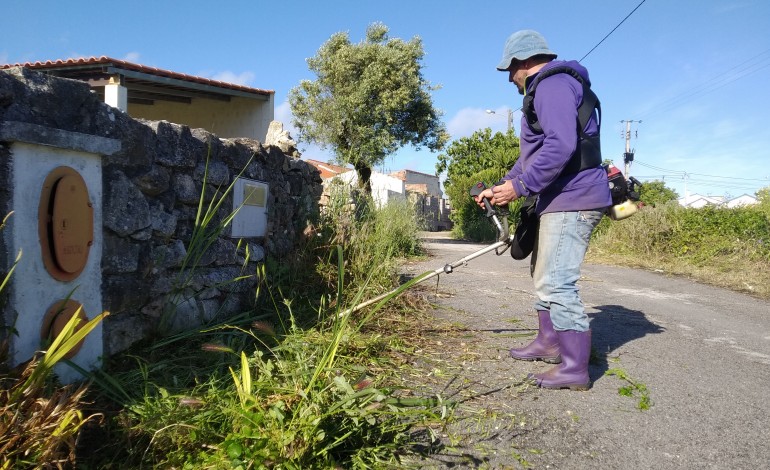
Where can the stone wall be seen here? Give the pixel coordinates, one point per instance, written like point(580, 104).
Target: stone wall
point(151, 190)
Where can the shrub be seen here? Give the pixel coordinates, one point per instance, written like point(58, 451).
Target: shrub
point(469, 220)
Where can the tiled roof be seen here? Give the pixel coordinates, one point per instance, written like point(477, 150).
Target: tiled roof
point(108, 61)
point(328, 170)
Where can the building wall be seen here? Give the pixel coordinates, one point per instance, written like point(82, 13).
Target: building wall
point(239, 117)
point(431, 182)
point(384, 187)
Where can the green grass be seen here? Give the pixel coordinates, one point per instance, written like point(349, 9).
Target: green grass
point(291, 384)
point(724, 247)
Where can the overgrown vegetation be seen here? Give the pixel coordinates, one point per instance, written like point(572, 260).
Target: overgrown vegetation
point(718, 246)
point(287, 384)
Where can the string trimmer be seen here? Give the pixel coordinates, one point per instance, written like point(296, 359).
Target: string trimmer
point(504, 240)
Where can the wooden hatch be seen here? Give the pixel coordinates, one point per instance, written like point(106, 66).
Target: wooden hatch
point(66, 223)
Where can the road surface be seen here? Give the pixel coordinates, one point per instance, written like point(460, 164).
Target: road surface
point(702, 354)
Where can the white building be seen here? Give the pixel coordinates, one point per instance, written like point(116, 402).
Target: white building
point(697, 201)
point(742, 200)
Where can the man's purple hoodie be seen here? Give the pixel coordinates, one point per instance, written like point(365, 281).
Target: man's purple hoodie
point(543, 156)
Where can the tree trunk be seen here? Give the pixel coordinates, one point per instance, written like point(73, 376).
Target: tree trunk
point(364, 177)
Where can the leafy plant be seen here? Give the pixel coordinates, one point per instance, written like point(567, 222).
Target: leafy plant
point(39, 421)
point(482, 157)
point(634, 389)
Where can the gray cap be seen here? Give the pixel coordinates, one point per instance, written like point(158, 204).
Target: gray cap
point(522, 45)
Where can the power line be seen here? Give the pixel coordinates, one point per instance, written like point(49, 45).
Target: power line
point(728, 183)
point(682, 173)
point(613, 30)
point(752, 65)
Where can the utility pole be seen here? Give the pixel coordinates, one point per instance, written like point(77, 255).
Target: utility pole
point(628, 156)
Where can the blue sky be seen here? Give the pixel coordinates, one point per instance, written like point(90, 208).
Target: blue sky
point(695, 73)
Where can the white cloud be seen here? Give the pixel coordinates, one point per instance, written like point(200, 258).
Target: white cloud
point(468, 120)
point(3, 57)
point(132, 57)
point(283, 114)
point(227, 76)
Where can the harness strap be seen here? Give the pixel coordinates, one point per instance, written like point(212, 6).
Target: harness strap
point(588, 152)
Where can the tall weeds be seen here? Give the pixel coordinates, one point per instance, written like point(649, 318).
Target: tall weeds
point(291, 384)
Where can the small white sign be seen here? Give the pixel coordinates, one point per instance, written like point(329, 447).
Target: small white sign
point(250, 206)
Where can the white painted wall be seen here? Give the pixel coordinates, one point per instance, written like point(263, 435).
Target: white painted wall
point(32, 289)
point(116, 96)
point(384, 188)
point(239, 117)
point(431, 181)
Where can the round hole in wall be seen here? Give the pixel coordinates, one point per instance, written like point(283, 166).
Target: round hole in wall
point(56, 319)
point(65, 223)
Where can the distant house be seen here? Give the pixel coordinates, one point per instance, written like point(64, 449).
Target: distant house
point(743, 200)
point(697, 201)
point(420, 182)
point(328, 170)
point(385, 188)
point(423, 189)
point(225, 109)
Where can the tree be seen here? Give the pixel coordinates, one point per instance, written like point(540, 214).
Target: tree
point(481, 151)
point(468, 160)
point(369, 100)
point(763, 195)
point(655, 192)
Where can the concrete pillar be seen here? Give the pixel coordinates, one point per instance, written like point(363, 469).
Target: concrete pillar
point(35, 151)
point(115, 94)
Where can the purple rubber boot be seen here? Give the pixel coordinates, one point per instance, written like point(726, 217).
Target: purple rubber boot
point(572, 373)
point(545, 347)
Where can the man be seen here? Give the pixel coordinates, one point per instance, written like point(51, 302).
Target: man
point(572, 196)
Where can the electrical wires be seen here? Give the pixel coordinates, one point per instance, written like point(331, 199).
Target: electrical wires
point(713, 182)
point(613, 30)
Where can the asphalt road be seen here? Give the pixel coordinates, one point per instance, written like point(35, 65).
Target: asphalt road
point(703, 354)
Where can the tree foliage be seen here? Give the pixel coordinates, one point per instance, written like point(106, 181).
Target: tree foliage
point(468, 160)
point(763, 196)
point(481, 151)
point(369, 100)
point(655, 192)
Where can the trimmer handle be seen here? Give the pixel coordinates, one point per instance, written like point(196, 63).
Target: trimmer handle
point(476, 190)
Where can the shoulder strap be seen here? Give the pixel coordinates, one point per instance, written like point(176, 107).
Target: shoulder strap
point(585, 111)
point(588, 153)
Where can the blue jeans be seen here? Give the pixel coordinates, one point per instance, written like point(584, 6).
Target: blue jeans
point(561, 245)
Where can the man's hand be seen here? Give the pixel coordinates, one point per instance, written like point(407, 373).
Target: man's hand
point(503, 194)
point(499, 195)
